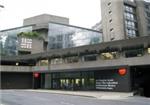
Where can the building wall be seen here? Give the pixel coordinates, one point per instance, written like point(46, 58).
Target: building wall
point(114, 9)
point(141, 18)
point(36, 45)
point(116, 15)
point(16, 69)
point(45, 19)
point(145, 60)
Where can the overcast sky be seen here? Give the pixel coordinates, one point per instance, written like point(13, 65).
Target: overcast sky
point(84, 13)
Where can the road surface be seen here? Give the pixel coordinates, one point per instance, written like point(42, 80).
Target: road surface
point(22, 97)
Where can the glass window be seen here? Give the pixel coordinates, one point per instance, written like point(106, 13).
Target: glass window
point(57, 61)
point(66, 36)
point(109, 55)
point(129, 9)
point(9, 41)
point(148, 14)
point(111, 29)
point(109, 3)
point(59, 38)
point(110, 20)
point(73, 59)
point(147, 6)
point(110, 12)
point(90, 57)
point(43, 62)
point(130, 0)
point(148, 28)
point(131, 33)
point(129, 16)
point(149, 50)
point(148, 20)
point(130, 24)
point(134, 53)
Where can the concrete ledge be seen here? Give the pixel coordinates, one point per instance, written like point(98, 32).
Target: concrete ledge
point(95, 94)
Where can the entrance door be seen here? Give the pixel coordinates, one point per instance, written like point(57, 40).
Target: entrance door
point(67, 84)
point(70, 84)
point(141, 78)
point(37, 80)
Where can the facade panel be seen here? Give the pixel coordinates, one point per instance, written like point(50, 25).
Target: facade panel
point(65, 36)
point(9, 40)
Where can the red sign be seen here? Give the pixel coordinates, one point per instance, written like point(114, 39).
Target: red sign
point(36, 75)
point(122, 71)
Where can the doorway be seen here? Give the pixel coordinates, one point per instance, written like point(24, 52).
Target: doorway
point(70, 84)
point(141, 80)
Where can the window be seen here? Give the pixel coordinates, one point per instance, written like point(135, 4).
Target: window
point(90, 57)
point(57, 61)
point(131, 33)
point(129, 16)
point(109, 3)
point(134, 53)
point(130, 0)
point(148, 14)
point(110, 12)
point(43, 62)
point(26, 43)
point(129, 9)
point(148, 21)
point(148, 28)
point(109, 55)
point(110, 20)
point(130, 24)
point(73, 59)
point(149, 50)
point(111, 29)
point(147, 6)
point(59, 38)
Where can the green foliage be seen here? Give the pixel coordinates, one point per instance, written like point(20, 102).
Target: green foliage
point(28, 34)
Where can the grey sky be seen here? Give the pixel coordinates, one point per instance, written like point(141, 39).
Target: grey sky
point(84, 13)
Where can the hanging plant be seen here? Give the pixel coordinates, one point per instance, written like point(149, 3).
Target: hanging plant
point(28, 34)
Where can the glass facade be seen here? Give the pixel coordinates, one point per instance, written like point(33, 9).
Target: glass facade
point(65, 36)
point(130, 22)
point(9, 40)
point(73, 80)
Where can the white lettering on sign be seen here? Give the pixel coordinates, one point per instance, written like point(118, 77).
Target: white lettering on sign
point(26, 43)
point(106, 84)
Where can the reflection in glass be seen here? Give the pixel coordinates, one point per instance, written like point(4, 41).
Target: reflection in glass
point(65, 36)
point(9, 40)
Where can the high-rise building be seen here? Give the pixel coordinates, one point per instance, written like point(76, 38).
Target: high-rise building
point(124, 19)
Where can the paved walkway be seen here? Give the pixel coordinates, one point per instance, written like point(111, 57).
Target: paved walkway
point(96, 94)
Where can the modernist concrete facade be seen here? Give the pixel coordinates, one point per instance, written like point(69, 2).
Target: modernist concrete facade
point(43, 20)
point(39, 24)
point(63, 66)
point(123, 19)
point(87, 63)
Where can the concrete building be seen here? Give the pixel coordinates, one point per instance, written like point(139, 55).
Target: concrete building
point(53, 32)
point(41, 22)
point(124, 19)
point(118, 66)
point(74, 58)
